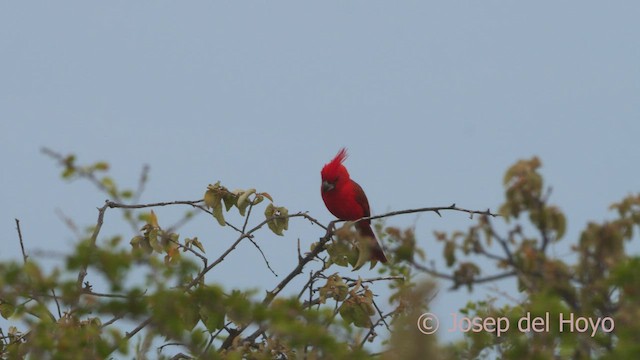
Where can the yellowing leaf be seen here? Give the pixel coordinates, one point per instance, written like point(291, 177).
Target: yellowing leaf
point(172, 255)
point(197, 244)
point(142, 243)
point(218, 215)
point(153, 220)
point(357, 309)
point(211, 198)
point(266, 195)
point(243, 200)
point(154, 241)
point(335, 288)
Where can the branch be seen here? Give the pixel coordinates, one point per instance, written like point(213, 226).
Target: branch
point(435, 209)
point(83, 270)
point(381, 320)
point(130, 334)
point(55, 298)
point(450, 277)
point(142, 182)
point(89, 174)
point(193, 203)
point(542, 203)
point(273, 293)
point(249, 234)
point(24, 254)
point(321, 247)
point(142, 325)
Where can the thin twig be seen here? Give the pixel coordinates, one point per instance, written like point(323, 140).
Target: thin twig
point(381, 320)
point(24, 254)
point(55, 298)
point(116, 318)
point(371, 280)
point(312, 277)
point(70, 224)
point(133, 332)
point(263, 256)
point(142, 182)
point(113, 296)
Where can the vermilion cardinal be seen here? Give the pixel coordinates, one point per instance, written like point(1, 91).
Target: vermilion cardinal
point(346, 200)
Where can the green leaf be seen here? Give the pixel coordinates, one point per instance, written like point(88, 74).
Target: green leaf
point(364, 251)
point(142, 243)
point(212, 320)
point(281, 221)
point(341, 253)
point(101, 166)
point(6, 310)
point(68, 172)
point(557, 221)
point(450, 252)
point(229, 200)
point(358, 309)
point(107, 182)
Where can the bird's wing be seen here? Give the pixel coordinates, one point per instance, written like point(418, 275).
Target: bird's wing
point(361, 199)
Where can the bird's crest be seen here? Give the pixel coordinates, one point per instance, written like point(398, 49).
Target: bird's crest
point(333, 167)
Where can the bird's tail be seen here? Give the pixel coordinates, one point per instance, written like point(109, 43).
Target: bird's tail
point(376, 250)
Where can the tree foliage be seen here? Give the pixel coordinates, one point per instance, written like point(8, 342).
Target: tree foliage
point(160, 296)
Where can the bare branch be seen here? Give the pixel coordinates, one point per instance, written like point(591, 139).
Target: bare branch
point(69, 223)
point(142, 325)
point(193, 203)
point(380, 321)
point(435, 209)
point(372, 280)
point(263, 256)
point(441, 275)
point(83, 270)
point(55, 298)
point(24, 254)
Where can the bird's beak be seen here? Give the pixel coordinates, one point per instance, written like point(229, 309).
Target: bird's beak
point(327, 186)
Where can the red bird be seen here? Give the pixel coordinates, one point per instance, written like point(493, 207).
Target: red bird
point(346, 200)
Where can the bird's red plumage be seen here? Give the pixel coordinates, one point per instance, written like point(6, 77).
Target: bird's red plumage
point(346, 200)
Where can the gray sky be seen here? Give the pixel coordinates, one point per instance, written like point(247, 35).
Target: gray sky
point(433, 99)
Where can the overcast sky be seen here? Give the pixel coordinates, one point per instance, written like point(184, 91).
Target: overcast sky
point(433, 99)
